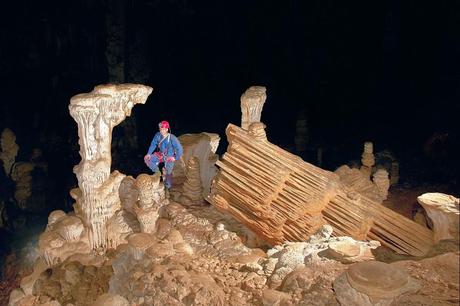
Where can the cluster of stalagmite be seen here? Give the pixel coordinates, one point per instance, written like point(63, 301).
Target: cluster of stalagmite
point(252, 103)
point(96, 114)
point(443, 210)
point(394, 173)
point(282, 198)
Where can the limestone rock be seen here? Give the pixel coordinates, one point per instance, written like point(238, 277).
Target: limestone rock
point(202, 146)
point(252, 103)
point(96, 114)
point(372, 283)
point(192, 190)
point(367, 158)
point(282, 198)
point(382, 182)
point(9, 149)
point(443, 210)
point(358, 181)
point(108, 299)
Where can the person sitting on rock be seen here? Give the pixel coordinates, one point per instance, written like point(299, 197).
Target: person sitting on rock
point(164, 148)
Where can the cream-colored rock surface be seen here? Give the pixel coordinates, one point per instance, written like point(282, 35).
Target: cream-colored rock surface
point(111, 300)
point(202, 146)
point(252, 103)
point(192, 190)
point(356, 180)
point(282, 198)
point(381, 180)
point(320, 248)
point(367, 158)
point(443, 210)
point(373, 283)
point(151, 199)
point(9, 149)
point(96, 114)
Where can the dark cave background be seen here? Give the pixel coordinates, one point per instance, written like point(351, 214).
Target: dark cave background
point(385, 72)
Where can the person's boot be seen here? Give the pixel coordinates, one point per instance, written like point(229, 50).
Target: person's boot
point(168, 181)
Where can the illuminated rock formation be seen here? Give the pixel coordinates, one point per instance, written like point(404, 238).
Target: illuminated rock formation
point(192, 190)
point(282, 198)
point(65, 235)
point(252, 103)
point(367, 159)
point(381, 180)
point(203, 146)
point(151, 198)
point(355, 179)
point(373, 283)
point(443, 210)
point(96, 113)
point(9, 149)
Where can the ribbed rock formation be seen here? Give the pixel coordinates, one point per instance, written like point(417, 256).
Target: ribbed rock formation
point(443, 210)
point(97, 113)
point(192, 190)
point(203, 146)
point(373, 283)
point(282, 198)
point(9, 149)
point(252, 103)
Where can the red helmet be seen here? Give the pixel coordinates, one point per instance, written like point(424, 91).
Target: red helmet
point(163, 124)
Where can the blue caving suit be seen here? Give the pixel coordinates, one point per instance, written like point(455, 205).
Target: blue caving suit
point(165, 147)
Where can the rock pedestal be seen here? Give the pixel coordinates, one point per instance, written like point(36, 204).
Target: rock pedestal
point(96, 114)
point(443, 210)
point(372, 283)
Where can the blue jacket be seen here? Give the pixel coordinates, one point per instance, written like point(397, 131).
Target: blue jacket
point(169, 147)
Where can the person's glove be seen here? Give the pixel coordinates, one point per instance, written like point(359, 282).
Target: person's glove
point(170, 159)
point(147, 158)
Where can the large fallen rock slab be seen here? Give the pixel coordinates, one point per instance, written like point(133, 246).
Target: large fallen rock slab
point(282, 198)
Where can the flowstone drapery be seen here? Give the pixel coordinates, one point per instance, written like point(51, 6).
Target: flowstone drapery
point(96, 114)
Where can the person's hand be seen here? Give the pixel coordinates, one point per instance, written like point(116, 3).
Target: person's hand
point(170, 159)
point(147, 158)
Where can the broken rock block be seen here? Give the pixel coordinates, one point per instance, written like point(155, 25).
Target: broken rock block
point(443, 210)
point(282, 198)
point(373, 283)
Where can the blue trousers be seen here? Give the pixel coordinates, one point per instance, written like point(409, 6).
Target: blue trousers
point(153, 165)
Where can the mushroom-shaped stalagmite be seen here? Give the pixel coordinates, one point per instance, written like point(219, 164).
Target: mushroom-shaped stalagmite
point(372, 283)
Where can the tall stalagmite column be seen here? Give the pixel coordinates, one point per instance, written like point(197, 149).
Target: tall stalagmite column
point(252, 102)
point(96, 114)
